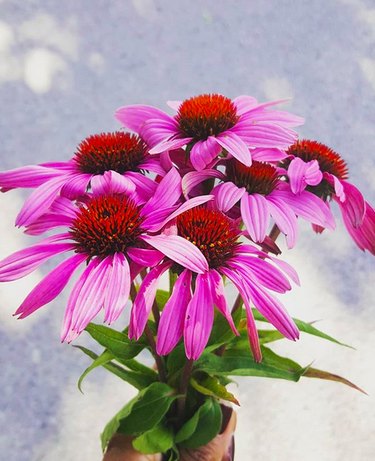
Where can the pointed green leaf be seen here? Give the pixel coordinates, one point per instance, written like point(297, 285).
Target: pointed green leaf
point(221, 332)
point(101, 360)
point(116, 342)
point(210, 385)
point(137, 379)
point(241, 363)
point(159, 439)
point(202, 427)
point(320, 374)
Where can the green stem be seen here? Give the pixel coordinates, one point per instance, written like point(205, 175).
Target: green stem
point(158, 359)
point(184, 384)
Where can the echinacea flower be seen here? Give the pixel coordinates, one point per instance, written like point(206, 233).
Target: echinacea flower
point(106, 235)
point(262, 196)
point(208, 123)
point(189, 312)
point(120, 152)
point(317, 168)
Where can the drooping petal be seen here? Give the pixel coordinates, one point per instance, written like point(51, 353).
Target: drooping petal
point(117, 289)
point(170, 144)
point(251, 327)
point(296, 175)
point(66, 333)
point(199, 318)
point(135, 116)
point(145, 187)
point(264, 135)
point(268, 155)
point(152, 164)
point(244, 103)
point(193, 178)
point(27, 176)
point(39, 201)
point(51, 286)
point(171, 324)
point(144, 300)
point(91, 297)
point(25, 261)
point(75, 185)
point(157, 131)
point(145, 256)
point(255, 215)
point(47, 222)
point(179, 250)
point(354, 206)
point(285, 219)
point(227, 195)
point(308, 206)
point(111, 182)
point(219, 299)
point(203, 152)
point(235, 146)
point(363, 235)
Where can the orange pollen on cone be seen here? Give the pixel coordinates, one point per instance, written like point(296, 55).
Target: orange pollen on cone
point(259, 178)
point(329, 160)
point(116, 151)
point(206, 115)
point(106, 225)
point(211, 231)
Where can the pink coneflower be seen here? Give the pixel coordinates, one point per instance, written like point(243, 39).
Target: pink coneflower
point(107, 235)
point(263, 196)
point(123, 153)
point(190, 310)
point(329, 181)
point(208, 123)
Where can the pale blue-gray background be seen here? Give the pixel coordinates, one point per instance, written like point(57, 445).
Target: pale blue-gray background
point(64, 68)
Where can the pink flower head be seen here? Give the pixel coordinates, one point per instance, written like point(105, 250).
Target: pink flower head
point(208, 123)
point(204, 248)
point(123, 153)
point(107, 236)
point(321, 170)
point(262, 196)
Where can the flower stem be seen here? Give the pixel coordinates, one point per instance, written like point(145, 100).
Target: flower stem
point(158, 359)
point(184, 384)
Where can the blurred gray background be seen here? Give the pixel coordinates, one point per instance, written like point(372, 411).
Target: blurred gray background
point(64, 68)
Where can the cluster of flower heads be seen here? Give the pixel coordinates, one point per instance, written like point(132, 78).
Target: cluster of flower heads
point(195, 194)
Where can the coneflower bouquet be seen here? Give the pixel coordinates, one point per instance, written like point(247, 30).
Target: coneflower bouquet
point(160, 221)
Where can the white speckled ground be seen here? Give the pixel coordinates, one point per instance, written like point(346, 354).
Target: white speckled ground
point(64, 68)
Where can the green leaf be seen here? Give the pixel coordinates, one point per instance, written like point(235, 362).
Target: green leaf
point(159, 439)
point(142, 413)
point(162, 297)
point(138, 380)
point(320, 374)
point(241, 363)
point(211, 386)
point(221, 332)
point(305, 327)
point(116, 342)
point(202, 427)
point(101, 360)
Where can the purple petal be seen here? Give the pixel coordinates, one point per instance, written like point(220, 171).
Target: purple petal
point(174, 104)
point(353, 207)
point(39, 201)
point(25, 261)
point(251, 327)
point(219, 299)
point(152, 164)
point(75, 185)
point(145, 257)
point(144, 300)
point(227, 195)
point(135, 116)
point(268, 155)
point(47, 222)
point(27, 176)
point(117, 289)
point(66, 333)
point(235, 146)
point(145, 187)
point(285, 219)
point(203, 152)
point(192, 179)
point(157, 131)
point(364, 235)
point(179, 250)
point(199, 318)
point(170, 144)
point(111, 182)
point(191, 203)
point(255, 215)
point(244, 103)
point(51, 286)
point(278, 117)
point(171, 324)
point(263, 135)
point(91, 296)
